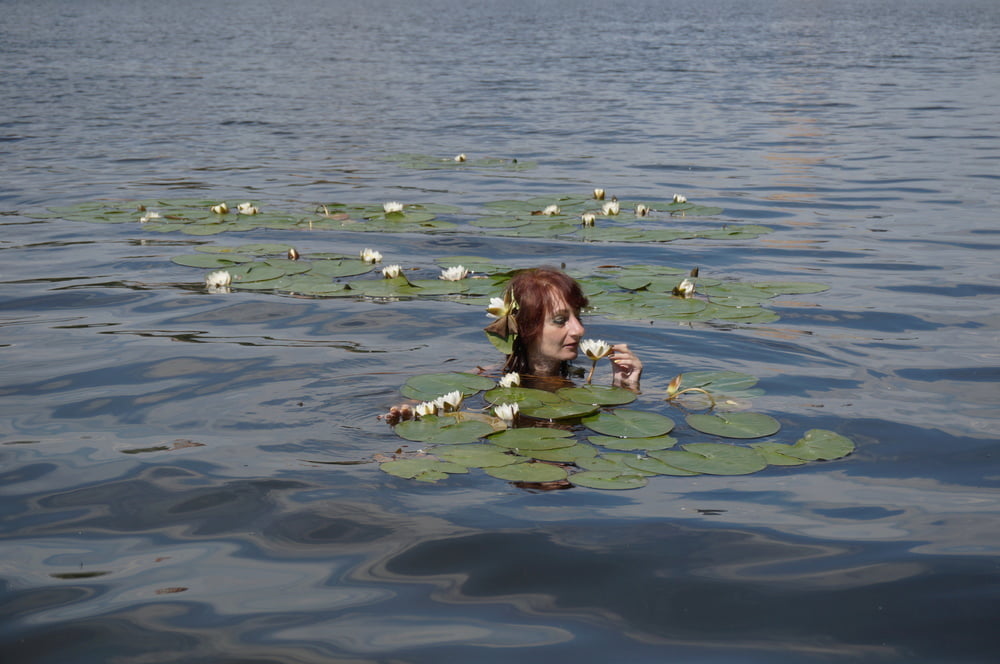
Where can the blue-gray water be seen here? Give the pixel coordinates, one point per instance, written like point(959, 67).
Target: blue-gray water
point(864, 133)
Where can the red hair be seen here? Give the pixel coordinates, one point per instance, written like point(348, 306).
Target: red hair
point(538, 291)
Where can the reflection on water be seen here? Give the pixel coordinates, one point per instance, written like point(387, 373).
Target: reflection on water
point(187, 476)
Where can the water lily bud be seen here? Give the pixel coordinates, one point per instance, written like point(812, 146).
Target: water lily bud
point(611, 207)
point(684, 289)
point(512, 379)
point(221, 208)
point(454, 273)
point(551, 210)
point(246, 208)
point(641, 210)
point(460, 157)
point(450, 402)
point(149, 216)
point(678, 198)
point(588, 218)
point(293, 255)
point(391, 271)
point(674, 386)
point(507, 412)
point(392, 206)
point(370, 256)
point(219, 279)
point(595, 349)
point(599, 194)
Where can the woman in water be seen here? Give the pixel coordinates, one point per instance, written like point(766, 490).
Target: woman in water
point(542, 310)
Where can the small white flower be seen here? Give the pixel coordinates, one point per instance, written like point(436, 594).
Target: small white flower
point(247, 208)
point(293, 254)
point(219, 279)
point(391, 271)
point(450, 402)
point(454, 273)
point(678, 198)
point(588, 218)
point(506, 411)
point(684, 289)
point(551, 210)
point(149, 216)
point(370, 256)
point(498, 307)
point(641, 210)
point(425, 408)
point(460, 157)
point(595, 349)
point(599, 194)
point(392, 206)
point(512, 379)
point(221, 208)
point(611, 207)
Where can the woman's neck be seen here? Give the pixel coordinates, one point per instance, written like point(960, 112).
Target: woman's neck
point(546, 366)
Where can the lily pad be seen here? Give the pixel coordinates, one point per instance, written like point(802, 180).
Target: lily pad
point(427, 387)
point(211, 261)
point(560, 410)
point(623, 444)
point(250, 272)
point(820, 444)
point(478, 456)
point(524, 397)
point(608, 480)
point(445, 430)
point(424, 469)
point(629, 424)
point(597, 395)
point(533, 438)
point(528, 472)
point(776, 454)
point(713, 459)
point(655, 466)
point(735, 425)
point(565, 454)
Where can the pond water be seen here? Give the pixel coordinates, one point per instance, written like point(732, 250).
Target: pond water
point(168, 491)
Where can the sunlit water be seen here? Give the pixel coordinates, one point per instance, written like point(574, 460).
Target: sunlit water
point(161, 500)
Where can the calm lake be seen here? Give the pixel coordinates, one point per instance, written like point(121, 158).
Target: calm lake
point(193, 476)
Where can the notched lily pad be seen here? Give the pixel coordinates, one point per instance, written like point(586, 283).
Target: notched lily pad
point(735, 425)
point(629, 424)
point(608, 480)
point(444, 430)
point(528, 472)
point(713, 459)
point(427, 387)
point(533, 438)
point(424, 469)
point(597, 395)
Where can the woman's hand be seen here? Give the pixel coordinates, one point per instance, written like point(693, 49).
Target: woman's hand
point(626, 367)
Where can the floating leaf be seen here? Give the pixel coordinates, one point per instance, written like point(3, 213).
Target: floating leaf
point(559, 410)
point(533, 438)
point(250, 272)
point(524, 397)
point(570, 454)
point(651, 443)
point(597, 395)
point(655, 466)
point(776, 454)
point(629, 424)
point(478, 456)
point(820, 444)
point(426, 469)
point(445, 430)
point(528, 472)
point(428, 387)
point(211, 261)
point(735, 425)
point(616, 462)
point(713, 459)
point(608, 480)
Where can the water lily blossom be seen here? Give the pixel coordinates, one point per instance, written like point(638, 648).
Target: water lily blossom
point(392, 206)
point(507, 412)
point(460, 157)
point(449, 403)
point(149, 216)
point(247, 208)
point(500, 307)
point(684, 289)
point(641, 210)
point(218, 281)
point(679, 198)
point(512, 379)
point(588, 218)
point(426, 408)
point(370, 256)
point(221, 208)
point(594, 349)
point(551, 210)
point(293, 255)
point(454, 273)
point(391, 271)
point(599, 194)
point(611, 207)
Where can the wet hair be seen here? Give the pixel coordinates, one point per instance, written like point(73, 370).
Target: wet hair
point(537, 292)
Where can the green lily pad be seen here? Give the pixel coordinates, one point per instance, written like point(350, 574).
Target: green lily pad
point(250, 272)
point(560, 410)
point(623, 444)
point(820, 444)
point(735, 425)
point(528, 472)
point(655, 466)
point(570, 454)
point(524, 397)
point(424, 469)
point(597, 395)
point(427, 387)
point(616, 462)
point(211, 261)
point(629, 424)
point(533, 438)
point(776, 454)
point(608, 480)
point(443, 430)
point(713, 459)
point(478, 456)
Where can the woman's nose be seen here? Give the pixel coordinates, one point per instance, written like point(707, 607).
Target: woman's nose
point(576, 327)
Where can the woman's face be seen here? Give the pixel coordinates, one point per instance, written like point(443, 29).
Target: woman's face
point(560, 336)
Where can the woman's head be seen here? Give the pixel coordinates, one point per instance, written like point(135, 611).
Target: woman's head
point(548, 307)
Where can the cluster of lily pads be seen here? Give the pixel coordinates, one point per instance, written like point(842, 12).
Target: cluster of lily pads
point(575, 435)
point(634, 292)
point(569, 217)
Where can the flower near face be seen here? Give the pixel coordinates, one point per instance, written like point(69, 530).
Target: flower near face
point(641, 210)
point(551, 210)
point(460, 157)
point(392, 206)
point(370, 256)
point(599, 194)
point(221, 208)
point(595, 349)
point(611, 207)
point(391, 271)
point(507, 412)
point(449, 403)
point(425, 408)
point(588, 218)
point(218, 280)
point(454, 273)
point(684, 289)
point(512, 379)
point(247, 208)
point(679, 198)
point(500, 307)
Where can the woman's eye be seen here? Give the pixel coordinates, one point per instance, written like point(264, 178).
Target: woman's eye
point(559, 320)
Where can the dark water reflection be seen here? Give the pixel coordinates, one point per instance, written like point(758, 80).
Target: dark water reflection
point(188, 476)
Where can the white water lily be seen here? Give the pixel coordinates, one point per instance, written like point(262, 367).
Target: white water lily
point(370, 256)
point(460, 157)
point(684, 289)
point(454, 273)
point(595, 349)
point(391, 271)
point(506, 412)
point(599, 194)
point(551, 210)
point(247, 208)
point(498, 307)
point(218, 279)
point(512, 379)
point(293, 255)
point(679, 198)
point(392, 206)
point(425, 408)
point(641, 210)
point(450, 402)
point(221, 208)
point(611, 207)
point(588, 218)
point(149, 216)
